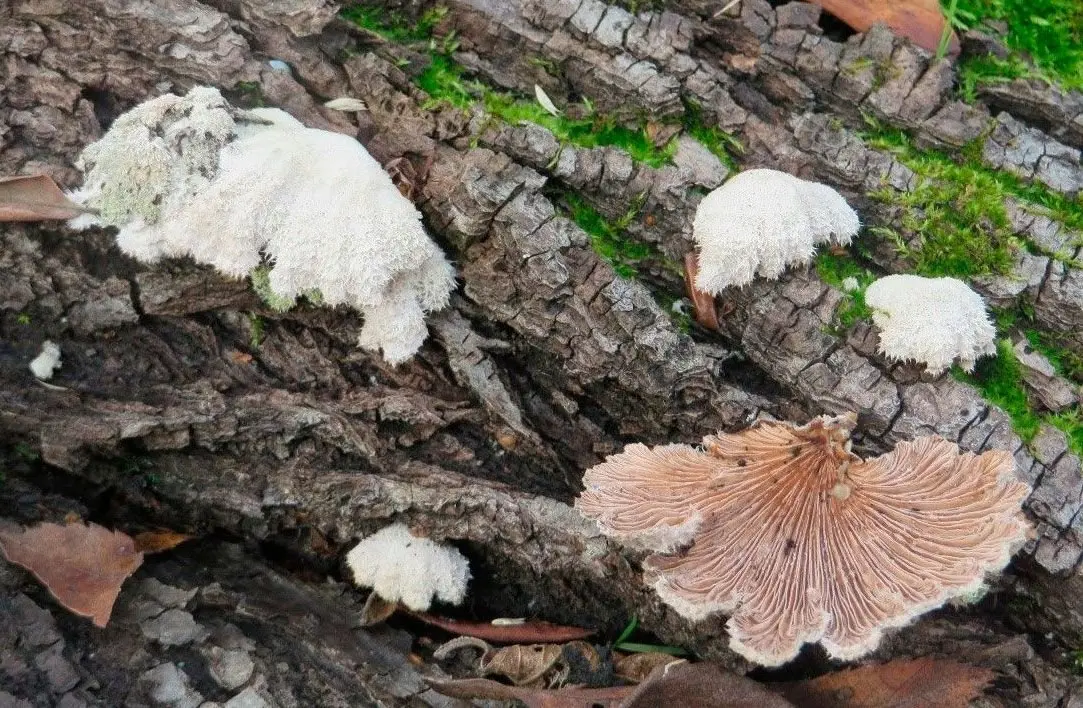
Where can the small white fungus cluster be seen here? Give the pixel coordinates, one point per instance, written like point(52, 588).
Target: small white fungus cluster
point(401, 567)
point(47, 361)
point(196, 177)
point(930, 320)
point(762, 221)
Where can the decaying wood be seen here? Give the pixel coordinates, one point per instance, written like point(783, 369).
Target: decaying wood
point(189, 406)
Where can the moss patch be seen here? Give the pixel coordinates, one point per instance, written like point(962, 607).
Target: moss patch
point(1048, 33)
point(1000, 381)
point(447, 81)
point(958, 209)
point(835, 270)
point(608, 238)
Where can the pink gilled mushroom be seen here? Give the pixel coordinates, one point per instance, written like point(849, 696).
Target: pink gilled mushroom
point(800, 540)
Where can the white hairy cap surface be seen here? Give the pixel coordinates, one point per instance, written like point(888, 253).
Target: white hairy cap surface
point(933, 321)
point(799, 540)
point(196, 177)
point(762, 221)
point(401, 567)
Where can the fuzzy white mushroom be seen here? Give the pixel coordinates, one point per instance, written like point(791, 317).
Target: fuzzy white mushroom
point(401, 567)
point(47, 361)
point(194, 176)
point(762, 221)
point(933, 321)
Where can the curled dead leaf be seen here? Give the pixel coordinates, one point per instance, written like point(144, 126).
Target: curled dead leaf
point(703, 307)
point(523, 665)
point(921, 21)
point(35, 198)
point(82, 566)
point(635, 668)
point(160, 540)
point(377, 610)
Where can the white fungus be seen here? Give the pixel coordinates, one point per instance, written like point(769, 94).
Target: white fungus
point(47, 361)
point(933, 321)
point(401, 567)
point(194, 176)
point(762, 221)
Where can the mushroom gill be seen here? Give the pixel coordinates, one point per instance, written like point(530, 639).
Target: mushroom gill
point(800, 540)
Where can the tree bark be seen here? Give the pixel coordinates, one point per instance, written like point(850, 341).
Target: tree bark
point(187, 403)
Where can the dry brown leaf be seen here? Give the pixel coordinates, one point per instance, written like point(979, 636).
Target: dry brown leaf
point(83, 566)
point(531, 632)
point(34, 198)
point(703, 685)
point(635, 668)
point(919, 20)
point(533, 697)
point(523, 665)
point(904, 683)
point(682, 685)
point(703, 307)
point(377, 610)
point(160, 540)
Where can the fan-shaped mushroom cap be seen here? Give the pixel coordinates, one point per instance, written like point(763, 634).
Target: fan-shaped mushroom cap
point(802, 541)
point(760, 222)
point(930, 320)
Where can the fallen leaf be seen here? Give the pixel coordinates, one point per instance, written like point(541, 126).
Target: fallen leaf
point(533, 697)
point(919, 20)
point(534, 632)
point(83, 566)
point(903, 683)
point(683, 685)
point(453, 645)
point(160, 540)
point(702, 685)
point(703, 307)
point(377, 610)
point(522, 664)
point(544, 101)
point(585, 665)
point(35, 198)
point(635, 668)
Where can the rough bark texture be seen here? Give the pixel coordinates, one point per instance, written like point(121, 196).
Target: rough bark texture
point(180, 408)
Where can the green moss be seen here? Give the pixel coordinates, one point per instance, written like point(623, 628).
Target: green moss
point(1070, 422)
point(595, 130)
point(393, 26)
point(1047, 32)
point(834, 269)
point(256, 327)
point(447, 82)
point(248, 94)
point(957, 208)
point(979, 71)
point(1067, 363)
point(261, 283)
point(724, 146)
point(607, 238)
point(1000, 381)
